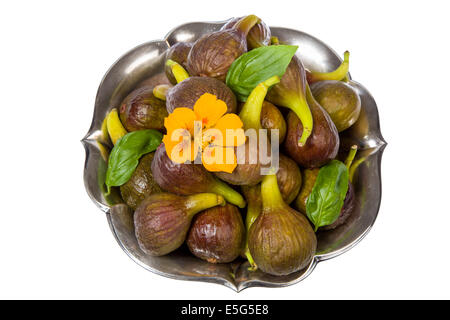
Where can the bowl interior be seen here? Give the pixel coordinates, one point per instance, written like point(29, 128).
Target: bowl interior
point(143, 65)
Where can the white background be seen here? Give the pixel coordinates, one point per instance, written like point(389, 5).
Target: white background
point(55, 243)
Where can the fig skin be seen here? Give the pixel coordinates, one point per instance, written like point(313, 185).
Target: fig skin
point(178, 53)
point(309, 179)
point(289, 179)
point(271, 118)
point(142, 110)
point(188, 179)
point(258, 36)
point(141, 183)
point(186, 93)
point(162, 220)
point(213, 53)
point(245, 173)
point(291, 93)
point(217, 234)
point(340, 100)
point(281, 240)
point(322, 145)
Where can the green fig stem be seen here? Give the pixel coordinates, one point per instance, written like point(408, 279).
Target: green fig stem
point(274, 41)
point(178, 71)
point(202, 201)
point(160, 91)
point(270, 193)
point(253, 266)
point(251, 111)
point(351, 156)
point(301, 109)
point(353, 168)
point(228, 193)
point(253, 196)
point(246, 24)
point(339, 74)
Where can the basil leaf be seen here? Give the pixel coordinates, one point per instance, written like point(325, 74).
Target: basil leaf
point(257, 66)
point(325, 202)
point(126, 153)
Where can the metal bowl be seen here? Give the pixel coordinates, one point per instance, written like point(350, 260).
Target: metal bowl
point(144, 64)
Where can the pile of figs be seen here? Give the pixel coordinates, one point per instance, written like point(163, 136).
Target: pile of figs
point(224, 216)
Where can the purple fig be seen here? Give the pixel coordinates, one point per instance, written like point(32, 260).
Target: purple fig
point(323, 143)
point(217, 234)
point(162, 220)
point(213, 54)
point(281, 240)
point(189, 178)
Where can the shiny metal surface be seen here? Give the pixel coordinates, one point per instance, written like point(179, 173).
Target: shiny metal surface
point(144, 64)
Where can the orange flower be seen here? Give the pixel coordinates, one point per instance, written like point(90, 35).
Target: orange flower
point(206, 130)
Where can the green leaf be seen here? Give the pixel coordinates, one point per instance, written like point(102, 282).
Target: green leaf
point(126, 153)
point(325, 202)
point(257, 66)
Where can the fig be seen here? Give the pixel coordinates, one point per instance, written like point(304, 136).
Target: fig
point(309, 179)
point(189, 178)
point(162, 220)
point(340, 73)
point(142, 110)
point(281, 240)
point(217, 234)
point(323, 143)
point(178, 53)
point(291, 93)
point(213, 53)
point(289, 179)
point(248, 170)
point(340, 100)
point(271, 118)
point(186, 93)
point(141, 183)
point(258, 36)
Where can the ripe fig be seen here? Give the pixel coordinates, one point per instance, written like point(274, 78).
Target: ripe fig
point(323, 144)
point(291, 93)
point(281, 240)
point(340, 100)
point(248, 172)
point(178, 53)
point(162, 220)
point(271, 118)
point(142, 110)
point(189, 178)
point(186, 93)
point(141, 183)
point(289, 179)
point(258, 36)
point(217, 234)
point(213, 54)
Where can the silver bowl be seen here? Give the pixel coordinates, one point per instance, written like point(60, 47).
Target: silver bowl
point(144, 64)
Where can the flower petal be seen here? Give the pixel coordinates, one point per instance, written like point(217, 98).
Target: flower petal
point(231, 127)
point(180, 118)
point(179, 146)
point(216, 158)
point(209, 109)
